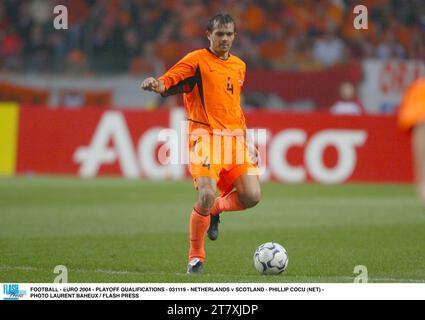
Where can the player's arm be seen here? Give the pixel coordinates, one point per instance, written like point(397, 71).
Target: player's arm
point(181, 78)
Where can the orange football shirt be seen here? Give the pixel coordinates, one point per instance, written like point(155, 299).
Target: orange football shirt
point(211, 89)
point(412, 109)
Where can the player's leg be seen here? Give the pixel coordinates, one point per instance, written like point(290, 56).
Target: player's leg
point(419, 158)
point(248, 190)
point(244, 177)
point(207, 190)
point(246, 195)
point(200, 221)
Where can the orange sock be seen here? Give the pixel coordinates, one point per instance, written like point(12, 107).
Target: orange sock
point(198, 228)
point(227, 203)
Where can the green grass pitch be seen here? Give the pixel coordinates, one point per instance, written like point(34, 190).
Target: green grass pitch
point(113, 230)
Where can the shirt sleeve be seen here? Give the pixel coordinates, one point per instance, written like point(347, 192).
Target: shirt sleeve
point(181, 78)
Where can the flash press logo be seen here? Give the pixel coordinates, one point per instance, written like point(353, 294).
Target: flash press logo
point(12, 292)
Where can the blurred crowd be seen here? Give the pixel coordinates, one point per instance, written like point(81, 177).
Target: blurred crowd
point(145, 36)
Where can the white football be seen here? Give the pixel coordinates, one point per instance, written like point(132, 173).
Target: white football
point(270, 258)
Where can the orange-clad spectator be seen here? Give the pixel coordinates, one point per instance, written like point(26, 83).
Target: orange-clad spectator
point(76, 62)
point(301, 13)
point(254, 19)
point(148, 62)
point(401, 32)
point(273, 49)
point(124, 19)
point(335, 11)
point(327, 13)
point(97, 27)
point(191, 17)
point(169, 51)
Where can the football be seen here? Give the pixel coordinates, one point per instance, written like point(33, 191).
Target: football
point(270, 258)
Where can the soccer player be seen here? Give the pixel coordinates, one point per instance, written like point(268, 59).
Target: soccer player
point(211, 81)
point(412, 117)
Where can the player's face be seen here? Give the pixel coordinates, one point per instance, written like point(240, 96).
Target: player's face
point(222, 37)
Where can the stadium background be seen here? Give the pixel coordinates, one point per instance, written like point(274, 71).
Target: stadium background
point(338, 182)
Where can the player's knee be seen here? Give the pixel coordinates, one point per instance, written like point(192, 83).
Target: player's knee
point(250, 198)
point(206, 198)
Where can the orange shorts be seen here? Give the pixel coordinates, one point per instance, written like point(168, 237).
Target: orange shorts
point(222, 158)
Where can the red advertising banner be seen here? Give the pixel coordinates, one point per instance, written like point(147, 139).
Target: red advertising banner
point(321, 86)
point(368, 148)
point(300, 147)
point(23, 94)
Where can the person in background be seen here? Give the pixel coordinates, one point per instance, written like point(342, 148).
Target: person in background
point(349, 103)
point(412, 117)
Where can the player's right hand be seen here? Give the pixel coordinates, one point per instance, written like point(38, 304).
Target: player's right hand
point(152, 84)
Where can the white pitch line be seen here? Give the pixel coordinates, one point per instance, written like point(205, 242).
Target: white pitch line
point(117, 272)
point(124, 272)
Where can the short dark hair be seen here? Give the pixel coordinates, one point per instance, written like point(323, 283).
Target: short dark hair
point(219, 20)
